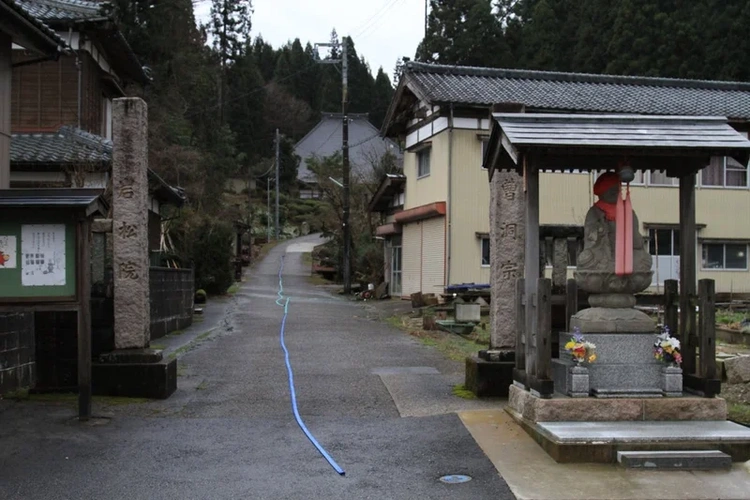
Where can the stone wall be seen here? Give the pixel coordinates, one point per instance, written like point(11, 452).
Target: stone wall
point(17, 356)
point(171, 292)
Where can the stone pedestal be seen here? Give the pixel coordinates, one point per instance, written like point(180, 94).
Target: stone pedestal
point(671, 380)
point(134, 373)
point(468, 312)
point(130, 223)
point(625, 366)
point(612, 320)
point(490, 374)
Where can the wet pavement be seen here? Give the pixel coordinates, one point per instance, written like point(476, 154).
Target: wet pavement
point(377, 400)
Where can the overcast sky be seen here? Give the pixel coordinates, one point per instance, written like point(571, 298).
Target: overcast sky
point(382, 30)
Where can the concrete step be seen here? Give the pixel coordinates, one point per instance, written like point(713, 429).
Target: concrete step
point(670, 460)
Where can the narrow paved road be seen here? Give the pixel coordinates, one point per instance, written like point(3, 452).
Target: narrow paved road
point(229, 431)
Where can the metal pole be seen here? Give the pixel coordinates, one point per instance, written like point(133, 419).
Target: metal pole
point(278, 162)
point(268, 209)
point(345, 156)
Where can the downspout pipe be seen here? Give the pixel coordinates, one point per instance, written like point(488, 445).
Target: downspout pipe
point(449, 201)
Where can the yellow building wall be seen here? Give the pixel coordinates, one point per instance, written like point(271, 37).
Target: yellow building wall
point(469, 209)
point(564, 199)
point(433, 187)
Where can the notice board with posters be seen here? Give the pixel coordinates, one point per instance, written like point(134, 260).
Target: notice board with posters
point(38, 258)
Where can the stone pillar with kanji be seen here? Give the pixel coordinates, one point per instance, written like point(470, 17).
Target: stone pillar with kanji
point(506, 256)
point(130, 223)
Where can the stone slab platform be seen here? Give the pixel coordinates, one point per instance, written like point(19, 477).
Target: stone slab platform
point(565, 409)
point(600, 441)
point(675, 460)
point(533, 475)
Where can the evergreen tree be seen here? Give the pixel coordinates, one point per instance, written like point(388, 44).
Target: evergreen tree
point(265, 58)
point(230, 27)
point(381, 98)
point(463, 32)
point(245, 97)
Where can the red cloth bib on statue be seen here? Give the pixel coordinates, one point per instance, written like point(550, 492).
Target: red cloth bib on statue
point(622, 213)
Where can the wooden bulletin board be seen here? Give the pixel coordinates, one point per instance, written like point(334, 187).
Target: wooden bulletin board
point(38, 257)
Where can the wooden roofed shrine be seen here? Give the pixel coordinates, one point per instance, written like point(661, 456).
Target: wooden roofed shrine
point(681, 146)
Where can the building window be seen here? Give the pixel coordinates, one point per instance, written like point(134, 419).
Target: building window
point(725, 256)
point(485, 251)
point(724, 171)
point(485, 143)
point(423, 162)
point(657, 178)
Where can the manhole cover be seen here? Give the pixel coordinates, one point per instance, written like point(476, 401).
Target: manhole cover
point(455, 478)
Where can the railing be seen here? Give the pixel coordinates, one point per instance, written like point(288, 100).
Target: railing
point(696, 331)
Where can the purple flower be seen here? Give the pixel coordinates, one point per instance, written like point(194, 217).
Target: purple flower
point(577, 336)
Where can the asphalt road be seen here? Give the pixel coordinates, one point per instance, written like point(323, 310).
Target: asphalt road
point(229, 432)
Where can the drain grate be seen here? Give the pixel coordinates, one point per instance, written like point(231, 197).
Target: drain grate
point(455, 478)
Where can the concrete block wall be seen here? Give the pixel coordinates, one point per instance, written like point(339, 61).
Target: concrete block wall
point(17, 352)
point(171, 293)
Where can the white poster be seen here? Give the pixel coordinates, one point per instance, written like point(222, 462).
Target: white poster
point(8, 252)
point(43, 255)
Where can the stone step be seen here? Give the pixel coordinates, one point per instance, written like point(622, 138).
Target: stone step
point(670, 460)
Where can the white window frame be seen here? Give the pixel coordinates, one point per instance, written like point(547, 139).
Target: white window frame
point(481, 251)
point(724, 244)
point(421, 154)
point(724, 177)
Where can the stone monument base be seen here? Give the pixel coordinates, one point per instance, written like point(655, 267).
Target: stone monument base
point(625, 367)
point(135, 373)
point(566, 409)
point(490, 374)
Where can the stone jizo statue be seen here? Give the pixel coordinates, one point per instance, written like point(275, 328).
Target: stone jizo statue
point(596, 263)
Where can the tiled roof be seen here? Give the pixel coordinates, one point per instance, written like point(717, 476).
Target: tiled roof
point(71, 145)
point(67, 145)
point(325, 139)
point(542, 90)
point(62, 10)
point(19, 8)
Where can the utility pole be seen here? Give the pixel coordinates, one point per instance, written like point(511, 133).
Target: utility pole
point(345, 157)
point(268, 208)
point(346, 230)
point(278, 162)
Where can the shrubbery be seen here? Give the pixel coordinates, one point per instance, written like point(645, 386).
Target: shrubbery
point(205, 243)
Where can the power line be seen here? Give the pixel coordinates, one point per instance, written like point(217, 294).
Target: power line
point(363, 25)
point(364, 33)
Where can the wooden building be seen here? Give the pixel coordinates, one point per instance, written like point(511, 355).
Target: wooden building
point(441, 114)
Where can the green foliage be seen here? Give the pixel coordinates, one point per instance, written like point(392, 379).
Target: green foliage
point(366, 252)
point(665, 38)
point(463, 32)
point(206, 244)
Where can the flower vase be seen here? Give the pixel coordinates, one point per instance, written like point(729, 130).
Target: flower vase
point(578, 381)
point(671, 380)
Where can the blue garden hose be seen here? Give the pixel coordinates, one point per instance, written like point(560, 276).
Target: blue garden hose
point(302, 425)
